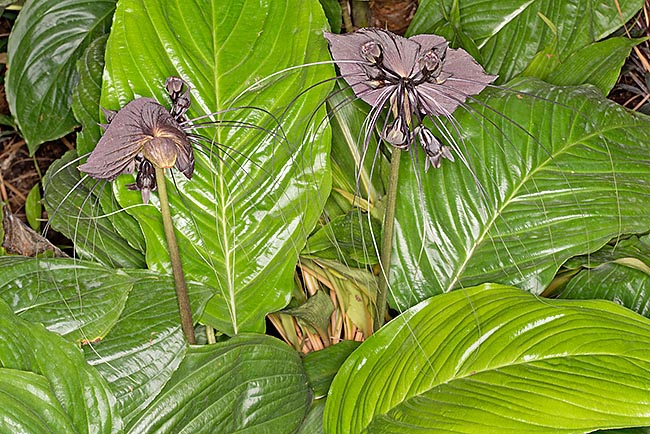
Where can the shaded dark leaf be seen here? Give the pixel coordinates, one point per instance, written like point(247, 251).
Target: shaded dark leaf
point(45, 43)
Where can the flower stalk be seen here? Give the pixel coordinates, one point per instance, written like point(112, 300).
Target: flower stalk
point(387, 238)
point(177, 268)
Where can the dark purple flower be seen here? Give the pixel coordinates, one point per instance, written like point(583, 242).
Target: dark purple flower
point(141, 135)
point(417, 77)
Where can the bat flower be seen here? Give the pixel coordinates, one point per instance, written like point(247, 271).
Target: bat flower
point(416, 78)
point(141, 135)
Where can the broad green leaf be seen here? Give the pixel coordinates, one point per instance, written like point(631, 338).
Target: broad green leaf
point(45, 43)
point(81, 392)
point(465, 362)
point(255, 196)
point(625, 281)
point(74, 208)
point(251, 383)
point(546, 59)
point(509, 33)
point(146, 345)
point(620, 273)
point(128, 324)
point(599, 64)
point(79, 300)
point(313, 423)
point(547, 178)
point(321, 366)
point(85, 99)
point(28, 405)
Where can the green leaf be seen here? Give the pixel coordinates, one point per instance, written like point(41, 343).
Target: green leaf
point(465, 362)
point(350, 238)
point(82, 393)
point(28, 404)
point(633, 247)
point(85, 99)
point(502, 30)
point(146, 345)
point(45, 43)
point(34, 208)
point(620, 273)
point(623, 281)
point(253, 200)
point(321, 366)
point(250, 383)
point(333, 12)
point(547, 59)
point(313, 423)
point(128, 324)
point(78, 300)
point(559, 176)
point(599, 64)
point(74, 209)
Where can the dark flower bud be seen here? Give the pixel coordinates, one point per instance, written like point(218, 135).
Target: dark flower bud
point(376, 77)
point(180, 98)
point(432, 147)
point(431, 63)
point(371, 52)
point(145, 181)
point(397, 133)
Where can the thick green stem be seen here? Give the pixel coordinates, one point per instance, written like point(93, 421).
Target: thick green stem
point(177, 269)
point(387, 237)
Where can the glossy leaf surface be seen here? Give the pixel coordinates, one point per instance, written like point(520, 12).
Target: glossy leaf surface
point(599, 64)
point(321, 366)
point(127, 324)
point(625, 281)
point(559, 176)
point(45, 44)
point(255, 194)
point(619, 273)
point(509, 33)
point(81, 301)
point(79, 209)
point(495, 359)
point(250, 383)
point(85, 99)
point(57, 370)
point(146, 345)
point(29, 405)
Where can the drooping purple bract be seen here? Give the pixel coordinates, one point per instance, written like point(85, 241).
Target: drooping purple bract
point(143, 133)
point(418, 77)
